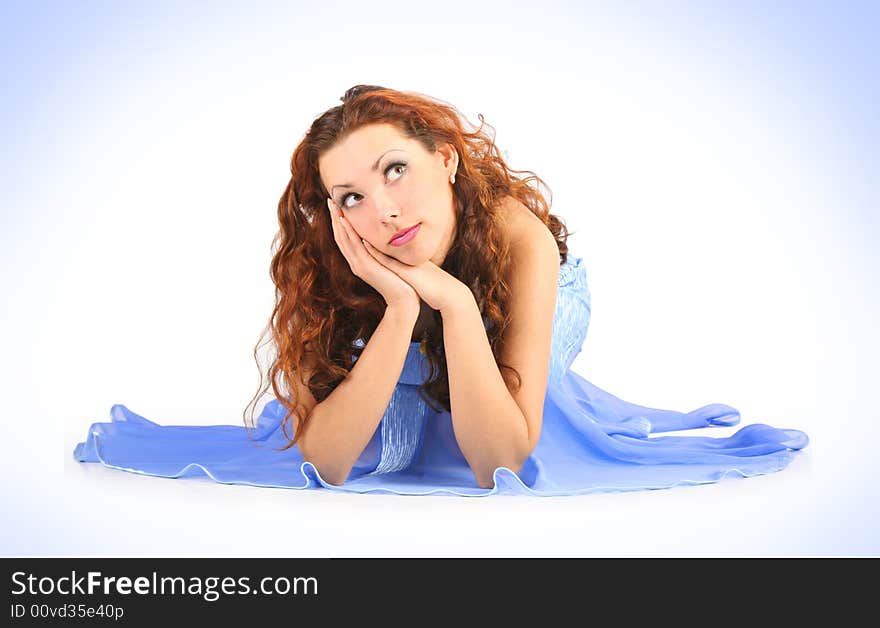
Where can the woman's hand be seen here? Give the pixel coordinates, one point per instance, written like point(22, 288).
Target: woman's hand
point(364, 265)
point(435, 286)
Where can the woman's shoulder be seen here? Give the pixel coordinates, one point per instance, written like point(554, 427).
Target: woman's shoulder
point(521, 227)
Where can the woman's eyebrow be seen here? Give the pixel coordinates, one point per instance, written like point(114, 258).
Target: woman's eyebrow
point(374, 168)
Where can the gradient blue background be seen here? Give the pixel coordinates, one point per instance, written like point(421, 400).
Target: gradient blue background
point(715, 161)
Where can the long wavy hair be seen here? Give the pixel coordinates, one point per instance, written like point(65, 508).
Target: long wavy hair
point(322, 308)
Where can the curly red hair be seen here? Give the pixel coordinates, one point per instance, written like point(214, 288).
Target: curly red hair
point(322, 308)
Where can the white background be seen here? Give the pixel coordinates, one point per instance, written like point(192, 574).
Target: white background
point(717, 165)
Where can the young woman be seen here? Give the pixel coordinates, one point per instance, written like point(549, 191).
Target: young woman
point(427, 314)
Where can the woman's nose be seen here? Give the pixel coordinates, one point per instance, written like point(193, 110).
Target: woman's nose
point(386, 207)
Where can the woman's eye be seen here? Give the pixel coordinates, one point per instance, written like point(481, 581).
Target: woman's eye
point(394, 165)
point(391, 167)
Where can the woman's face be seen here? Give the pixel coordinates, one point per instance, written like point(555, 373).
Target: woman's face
point(409, 186)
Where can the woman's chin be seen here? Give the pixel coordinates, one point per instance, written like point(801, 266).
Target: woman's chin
point(410, 257)
point(404, 259)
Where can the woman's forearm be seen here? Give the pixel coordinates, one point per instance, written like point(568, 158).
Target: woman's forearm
point(490, 428)
point(342, 425)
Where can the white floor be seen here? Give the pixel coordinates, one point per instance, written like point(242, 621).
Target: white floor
point(812, 508)
point(111, 513)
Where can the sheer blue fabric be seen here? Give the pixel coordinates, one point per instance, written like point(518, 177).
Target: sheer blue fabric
point(591, 440)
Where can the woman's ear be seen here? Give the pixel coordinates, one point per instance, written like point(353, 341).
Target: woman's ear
point(449, 157)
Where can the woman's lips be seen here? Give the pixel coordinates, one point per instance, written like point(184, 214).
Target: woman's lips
point(406, 237)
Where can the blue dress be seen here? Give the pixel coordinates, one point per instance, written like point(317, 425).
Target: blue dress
point(591, 441)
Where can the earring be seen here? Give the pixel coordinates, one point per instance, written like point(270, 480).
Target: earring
point(452, 178)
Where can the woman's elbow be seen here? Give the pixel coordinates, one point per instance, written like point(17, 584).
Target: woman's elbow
point(486, 479)
point(328, 472)
point(334, 477)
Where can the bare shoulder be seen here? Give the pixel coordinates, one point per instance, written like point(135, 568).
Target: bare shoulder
point(525, 231)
